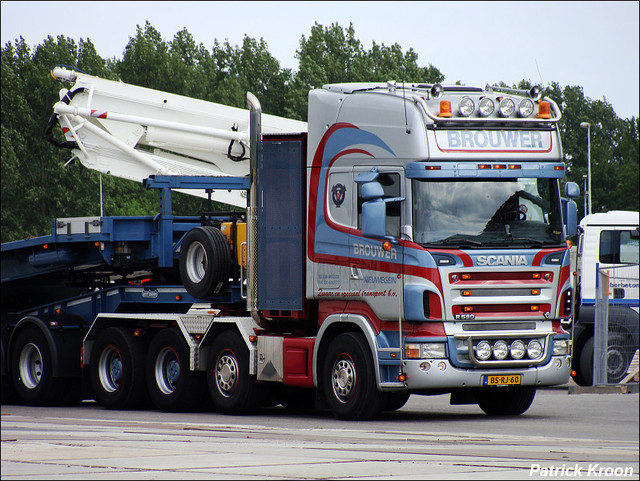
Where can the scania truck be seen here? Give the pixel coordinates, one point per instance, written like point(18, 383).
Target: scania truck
point(407, 239)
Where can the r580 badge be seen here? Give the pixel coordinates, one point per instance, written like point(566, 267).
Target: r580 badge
point(462, 317)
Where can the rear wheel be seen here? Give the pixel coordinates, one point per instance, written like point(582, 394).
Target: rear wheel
point(349, 381)
point(505, 401)
point(32, 370)
point(172, 385)
point(117, 369)
point(232, 389)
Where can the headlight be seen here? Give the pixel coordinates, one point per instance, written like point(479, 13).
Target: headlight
point(507, 107)
point(517, 349)
point(534, 349)
point(486, 106)
point(466, 107)
point(433, 350)
point(429, 350)
point(483, 351)
point(526, 107)
point(500, 350)
point(560, 347)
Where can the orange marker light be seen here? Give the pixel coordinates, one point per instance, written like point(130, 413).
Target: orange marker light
point(544, 110)
point(467, 309)
point(386, 245)
point(445, 108)
point(535, 292)
point(535, 308)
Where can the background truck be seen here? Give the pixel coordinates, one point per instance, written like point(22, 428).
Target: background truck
point(407, 239)
point(607, 241)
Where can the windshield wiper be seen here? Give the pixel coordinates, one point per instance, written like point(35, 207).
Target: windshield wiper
point(526, 239)
point(453, 242)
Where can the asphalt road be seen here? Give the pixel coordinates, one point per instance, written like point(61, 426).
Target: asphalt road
point(590, 435)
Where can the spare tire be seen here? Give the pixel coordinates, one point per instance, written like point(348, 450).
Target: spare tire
point(205, 261)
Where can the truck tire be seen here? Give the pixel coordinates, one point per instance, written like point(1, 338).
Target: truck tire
point(32, 370)
point(117, 369)
point(349, 381)
point(232, 389)
point(173, 387)
point(205, 261)
point(619, 358)
point(505, 401)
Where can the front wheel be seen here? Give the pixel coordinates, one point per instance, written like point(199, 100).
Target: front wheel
point(348, 379)
point(505, 401)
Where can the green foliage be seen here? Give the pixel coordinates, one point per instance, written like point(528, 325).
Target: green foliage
point(37, 186)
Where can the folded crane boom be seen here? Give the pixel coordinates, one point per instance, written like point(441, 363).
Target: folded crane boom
point(134, 132)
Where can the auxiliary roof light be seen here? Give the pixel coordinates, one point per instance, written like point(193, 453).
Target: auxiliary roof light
point(526, 107)
point(466, 106)
point(486, 106)
point(507, 107)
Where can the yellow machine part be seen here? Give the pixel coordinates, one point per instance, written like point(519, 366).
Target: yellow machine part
point(241, 240)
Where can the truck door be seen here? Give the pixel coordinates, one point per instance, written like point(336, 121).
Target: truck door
point(373, 272)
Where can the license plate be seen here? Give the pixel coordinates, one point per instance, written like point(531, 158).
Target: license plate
point(510, 380)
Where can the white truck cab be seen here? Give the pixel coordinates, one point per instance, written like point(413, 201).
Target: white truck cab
point(607, 240)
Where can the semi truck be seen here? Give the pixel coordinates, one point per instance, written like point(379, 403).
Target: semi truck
point(406, 239)
point(607, 241)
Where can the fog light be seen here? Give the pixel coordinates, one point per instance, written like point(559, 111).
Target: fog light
point(500, 350)
point(442, 366)
point(424, 366)
point(483, 351)
point(558, 363)
point(534, 349)
point(517, 349)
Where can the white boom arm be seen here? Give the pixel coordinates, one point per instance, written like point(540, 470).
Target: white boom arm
point(134, 132)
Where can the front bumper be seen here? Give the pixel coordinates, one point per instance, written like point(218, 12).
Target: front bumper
point(441, 374)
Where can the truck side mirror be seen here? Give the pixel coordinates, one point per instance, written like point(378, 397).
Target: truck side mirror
point(374, 211)
point(570, 209)
point(572, 190)
point(570, 216)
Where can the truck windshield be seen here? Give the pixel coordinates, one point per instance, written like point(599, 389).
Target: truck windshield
point(524, 212)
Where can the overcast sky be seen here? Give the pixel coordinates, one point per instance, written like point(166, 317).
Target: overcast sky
point(590, 44)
